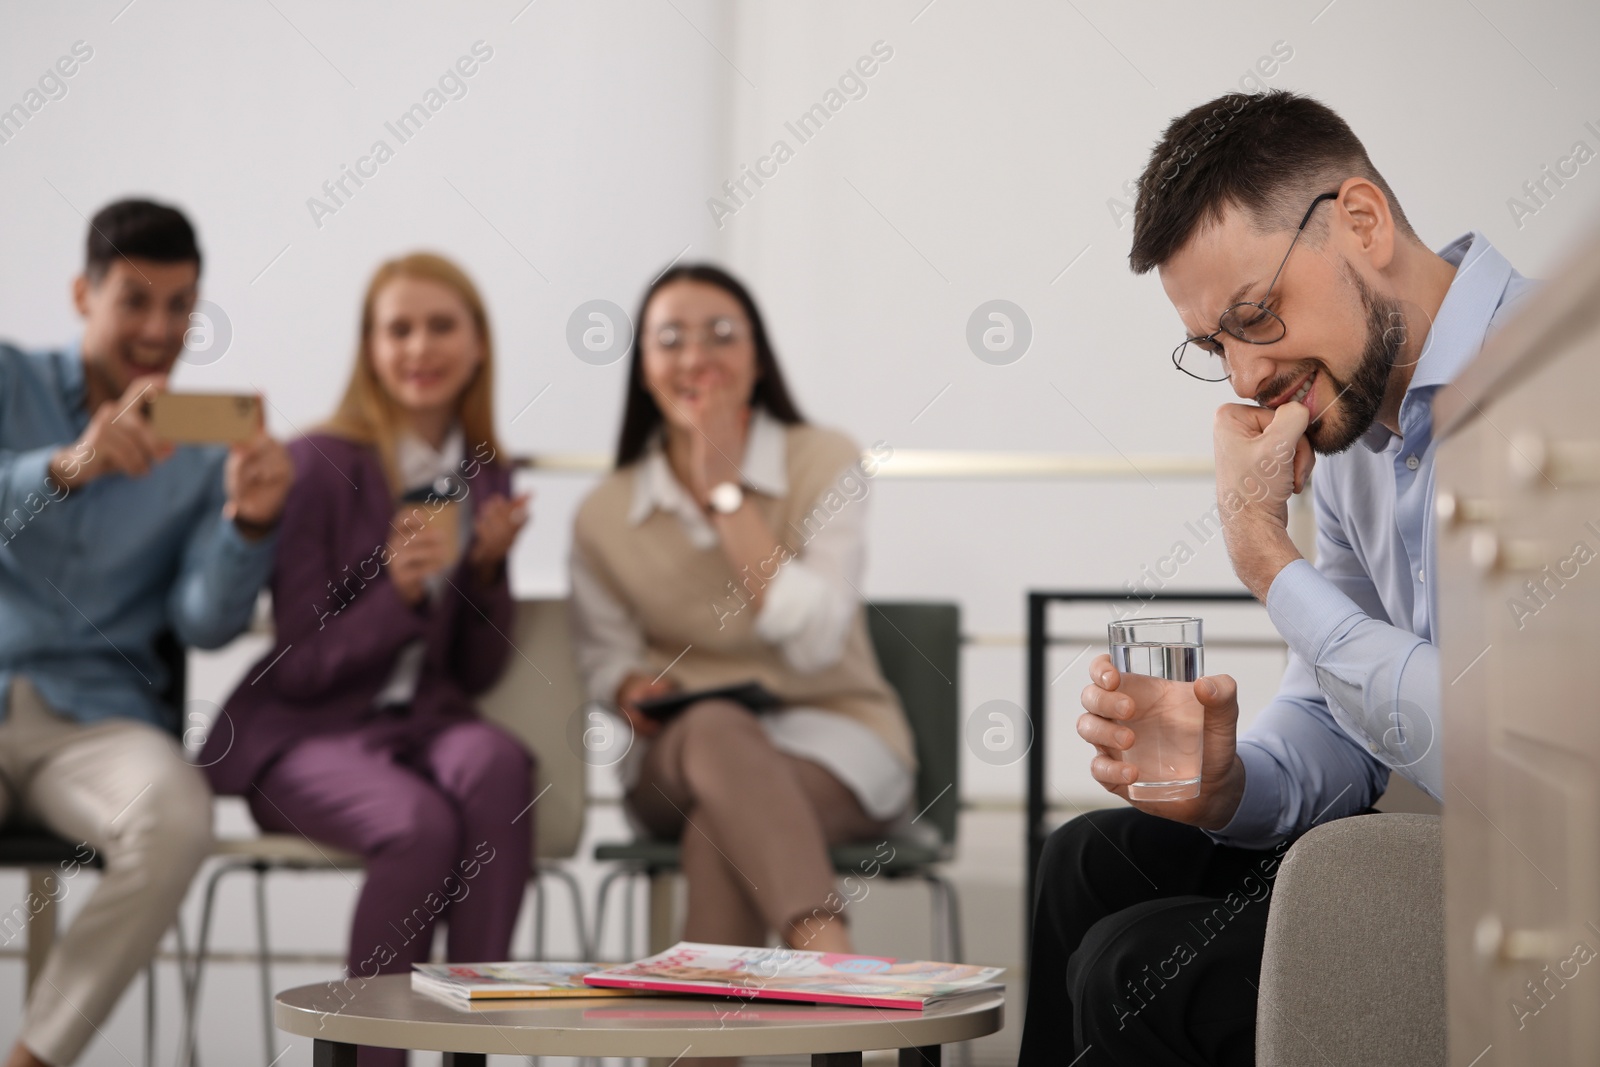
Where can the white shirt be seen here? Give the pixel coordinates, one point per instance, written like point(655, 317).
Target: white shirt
point(1361, 696)
point(421, 465)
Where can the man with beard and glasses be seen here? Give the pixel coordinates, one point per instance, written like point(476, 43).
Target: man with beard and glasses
point(1299, 282)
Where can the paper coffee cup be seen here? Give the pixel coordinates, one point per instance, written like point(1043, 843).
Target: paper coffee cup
point(446, 518)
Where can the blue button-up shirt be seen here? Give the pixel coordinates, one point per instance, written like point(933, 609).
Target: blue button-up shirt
point(1361, 694)
point(89, 577)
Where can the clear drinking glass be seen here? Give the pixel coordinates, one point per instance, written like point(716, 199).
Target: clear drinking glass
point(1159, 660)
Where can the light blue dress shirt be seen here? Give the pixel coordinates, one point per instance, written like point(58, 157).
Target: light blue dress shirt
point(88, 579)
point(1361, 694)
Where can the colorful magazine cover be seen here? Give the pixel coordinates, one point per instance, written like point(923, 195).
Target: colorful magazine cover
point(788, 974)
point(495, 981)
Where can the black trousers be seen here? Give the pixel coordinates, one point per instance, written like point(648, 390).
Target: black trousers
point(1147, 941)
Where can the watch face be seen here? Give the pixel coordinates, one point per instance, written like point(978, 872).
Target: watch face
point(727, 497)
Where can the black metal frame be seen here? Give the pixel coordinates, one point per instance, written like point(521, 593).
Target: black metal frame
point(1038, 699)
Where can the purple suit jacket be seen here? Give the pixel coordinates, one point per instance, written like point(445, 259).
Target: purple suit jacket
point(340, 624)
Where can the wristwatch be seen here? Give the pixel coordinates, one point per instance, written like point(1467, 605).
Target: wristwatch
point(725, 499)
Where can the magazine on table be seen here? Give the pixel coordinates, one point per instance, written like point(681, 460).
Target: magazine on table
point(788, 974)
point(505, 981)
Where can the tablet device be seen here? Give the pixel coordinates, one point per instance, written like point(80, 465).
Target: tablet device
point(752, 695)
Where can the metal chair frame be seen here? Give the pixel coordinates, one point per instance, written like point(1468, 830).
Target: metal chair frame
point(263, 864)
point(946, 906)
point(274, 852)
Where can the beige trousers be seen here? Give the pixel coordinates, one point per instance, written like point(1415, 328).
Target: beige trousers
point(755, 825)
point(123, 789)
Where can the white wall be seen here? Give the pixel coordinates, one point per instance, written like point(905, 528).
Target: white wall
point(979, 165)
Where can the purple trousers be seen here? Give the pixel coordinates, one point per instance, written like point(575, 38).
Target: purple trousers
point(439, 812)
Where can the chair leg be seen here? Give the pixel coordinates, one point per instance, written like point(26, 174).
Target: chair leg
point(958, 947)
point(188, 1046)
point(580, 928)
point(41, 927)
point(950, 903)
point(538, 916)
point(264, 958)
point(632, 910)
point(183, 981)
point(600, 896)
point(150, 1014)
point(662, 884)
point(948, 936)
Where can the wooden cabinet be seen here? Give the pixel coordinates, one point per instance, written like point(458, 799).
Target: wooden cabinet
point(1518, 521)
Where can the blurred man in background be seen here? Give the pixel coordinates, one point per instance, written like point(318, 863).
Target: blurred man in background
point(111, 539)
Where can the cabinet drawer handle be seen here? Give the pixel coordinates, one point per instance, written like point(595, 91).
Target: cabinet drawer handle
point(1491, 554)
point(1494, 944)
point(1453, 509)
point(1537, 462)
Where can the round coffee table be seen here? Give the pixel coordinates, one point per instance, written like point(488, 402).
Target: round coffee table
point(384, 1011)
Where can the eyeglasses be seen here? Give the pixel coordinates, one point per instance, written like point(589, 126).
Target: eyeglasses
point(721, 332)
point(1251, 322)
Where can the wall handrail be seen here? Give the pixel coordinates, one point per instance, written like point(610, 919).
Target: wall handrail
point(923, 463)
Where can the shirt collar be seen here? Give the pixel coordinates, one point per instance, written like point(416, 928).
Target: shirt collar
point(70, 379)
point(1459, 328)
point(420, 464)
point(763, 468)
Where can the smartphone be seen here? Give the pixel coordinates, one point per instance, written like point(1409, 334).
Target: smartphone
point(205, 418)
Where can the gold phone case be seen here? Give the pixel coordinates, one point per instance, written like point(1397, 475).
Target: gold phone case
point(205, 418)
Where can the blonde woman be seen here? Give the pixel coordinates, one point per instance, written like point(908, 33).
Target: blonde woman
point(391, 606)
point(718, 552)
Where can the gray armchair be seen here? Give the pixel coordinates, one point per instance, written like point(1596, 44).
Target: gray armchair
point(1354, 965)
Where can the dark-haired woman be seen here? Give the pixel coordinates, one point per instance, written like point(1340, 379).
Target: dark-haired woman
point(725, 547)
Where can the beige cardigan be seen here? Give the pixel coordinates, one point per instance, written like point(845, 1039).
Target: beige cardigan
point(685, 598)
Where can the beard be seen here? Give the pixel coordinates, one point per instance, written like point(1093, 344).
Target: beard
point(1357, 401)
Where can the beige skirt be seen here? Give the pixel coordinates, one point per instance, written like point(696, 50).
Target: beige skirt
point(852, 753)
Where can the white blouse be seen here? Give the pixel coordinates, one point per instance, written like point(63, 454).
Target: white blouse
point(421, 466)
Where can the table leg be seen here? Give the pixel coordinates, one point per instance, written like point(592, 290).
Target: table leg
point(465, 1059)
point(836, 1059)
point(332, 1054)
point(926, 1056)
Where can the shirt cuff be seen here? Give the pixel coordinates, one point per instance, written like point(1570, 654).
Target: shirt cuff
point(1308, 609)
point(1255, 821)
point(234, 545)
point(791, 600)
point(605, 679)
point(30, 473)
